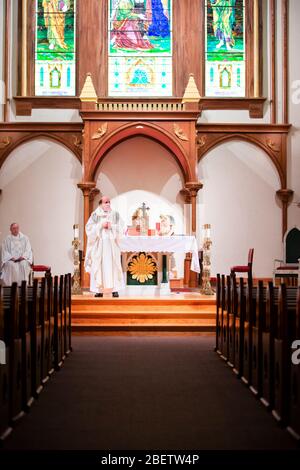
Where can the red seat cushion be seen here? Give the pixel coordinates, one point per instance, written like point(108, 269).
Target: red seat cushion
point(240, 269)
point(40, 268)
point(287, 268)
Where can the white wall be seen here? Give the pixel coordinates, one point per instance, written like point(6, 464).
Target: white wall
point(238, 200)
point(141, 170)
point(38, 182)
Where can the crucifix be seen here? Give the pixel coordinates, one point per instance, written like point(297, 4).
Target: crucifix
point(145, 210)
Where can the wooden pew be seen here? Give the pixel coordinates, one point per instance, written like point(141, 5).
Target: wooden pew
point(67, 313)
point(50, 317)
point(259, 315)
point(294, 402)
point(268, 334)
point(33, 296)
point(45, 328)
point(231, 321)
point(11, 313)
point(221, 315)
point(58, 337)
point(218, 313)
point(239, 329)
point(226, 312)
point(285, 326)
point(248, 324)
point(5, 427)
point(25, 333)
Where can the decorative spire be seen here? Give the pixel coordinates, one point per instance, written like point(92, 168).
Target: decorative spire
point(191, 94)
point(88, 92)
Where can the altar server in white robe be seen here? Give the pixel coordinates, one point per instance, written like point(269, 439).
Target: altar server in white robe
point(16, 255)
point(103, 257)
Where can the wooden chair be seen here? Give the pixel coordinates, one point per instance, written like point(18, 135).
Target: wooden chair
point(39, 268)
point(246, 268)
point(289, 266)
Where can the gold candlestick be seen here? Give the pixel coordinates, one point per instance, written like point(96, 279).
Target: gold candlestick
point(76, 287)
point(206, 288)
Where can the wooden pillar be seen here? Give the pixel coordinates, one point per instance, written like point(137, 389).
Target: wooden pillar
point(285, 195)
point(272, 38)
point(285, 61)
point(190, 193)
point(193, 188)
point(86, 188)
point(93, 194)
point(7, 50)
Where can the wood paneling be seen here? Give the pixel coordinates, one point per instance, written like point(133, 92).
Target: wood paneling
point(92, 43)
point(187, 46)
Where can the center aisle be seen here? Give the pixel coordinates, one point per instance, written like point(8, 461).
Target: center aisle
point(146, 392)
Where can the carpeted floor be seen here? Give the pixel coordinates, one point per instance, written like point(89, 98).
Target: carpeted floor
point(146, 392)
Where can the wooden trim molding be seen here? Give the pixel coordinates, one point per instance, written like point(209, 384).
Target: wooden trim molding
point(255, 106)
point(14, 134)
point(25, 104)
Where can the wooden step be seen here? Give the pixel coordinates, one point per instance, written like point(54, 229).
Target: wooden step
point(168, 313)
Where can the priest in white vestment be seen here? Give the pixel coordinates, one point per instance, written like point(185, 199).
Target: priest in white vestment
point(103, 255)
point(16, 256)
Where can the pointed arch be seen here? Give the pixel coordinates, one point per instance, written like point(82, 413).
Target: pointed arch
point(151, 131)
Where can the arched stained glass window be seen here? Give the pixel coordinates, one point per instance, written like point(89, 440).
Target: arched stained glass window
point(55, 48)
point(140, 48)
point(225, 48)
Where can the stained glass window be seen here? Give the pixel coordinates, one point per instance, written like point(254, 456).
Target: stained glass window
point(140, 48)
point(55, 48)
point(225, 48)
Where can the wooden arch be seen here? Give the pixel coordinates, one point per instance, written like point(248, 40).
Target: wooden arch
point(12, 140)
point(272, 139)
point(145, 129)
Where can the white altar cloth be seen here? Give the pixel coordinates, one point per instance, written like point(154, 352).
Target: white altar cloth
point(163, 244)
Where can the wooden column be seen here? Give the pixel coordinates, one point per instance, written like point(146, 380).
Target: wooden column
point(193, 188)
point(285, 61)
point(285, 195)
point(7, 49)
point(86, 188)
point(190, 192)
point(93, 194)
point(272, 39)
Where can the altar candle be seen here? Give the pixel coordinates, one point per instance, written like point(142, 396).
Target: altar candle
point(76, 231)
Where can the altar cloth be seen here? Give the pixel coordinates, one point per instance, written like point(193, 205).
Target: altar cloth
point(163, 244)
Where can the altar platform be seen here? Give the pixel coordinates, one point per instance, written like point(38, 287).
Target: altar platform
point(177, 311)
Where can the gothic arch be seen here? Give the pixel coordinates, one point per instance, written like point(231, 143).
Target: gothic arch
point(272, 145)
point(159, 135)
point(71, 144)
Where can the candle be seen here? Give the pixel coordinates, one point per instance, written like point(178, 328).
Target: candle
point(76, 231)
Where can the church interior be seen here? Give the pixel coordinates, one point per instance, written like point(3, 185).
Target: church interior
point(177, 124)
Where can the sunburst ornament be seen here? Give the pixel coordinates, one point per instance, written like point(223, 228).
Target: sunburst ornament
point(142, 268)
